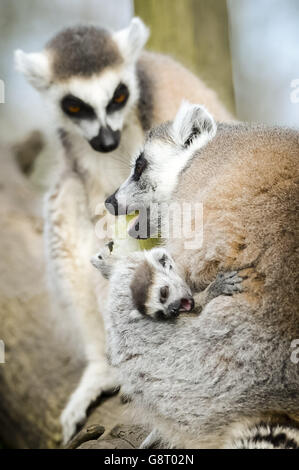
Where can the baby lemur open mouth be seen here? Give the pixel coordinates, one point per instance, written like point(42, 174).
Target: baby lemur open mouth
point(185, 305)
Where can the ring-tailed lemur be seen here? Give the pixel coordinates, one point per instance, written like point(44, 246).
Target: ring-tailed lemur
point(103, 92)
point(155, 288)
point(225, 378)
point(148, 284)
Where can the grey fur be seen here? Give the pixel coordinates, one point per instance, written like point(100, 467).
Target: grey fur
point(198, 373)
point(145, 102)
point(161, 133)
point(64, 139)
point(82, 51)
point(196, 378)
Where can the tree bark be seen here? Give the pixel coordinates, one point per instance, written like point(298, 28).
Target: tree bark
point(196, 33)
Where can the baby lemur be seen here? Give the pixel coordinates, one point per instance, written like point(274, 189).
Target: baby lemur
point(147, 286)
point(154, 287)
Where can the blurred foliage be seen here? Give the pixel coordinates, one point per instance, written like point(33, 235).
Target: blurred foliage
point(196, 33)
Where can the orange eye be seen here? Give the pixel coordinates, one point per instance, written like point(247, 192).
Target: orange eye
point(74, 109)
point(120, 99)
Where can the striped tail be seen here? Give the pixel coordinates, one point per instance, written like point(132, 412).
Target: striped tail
point(267, 436)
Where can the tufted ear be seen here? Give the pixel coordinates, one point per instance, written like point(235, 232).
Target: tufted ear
point(132, 39)
point(193, 126)
point(161, 258)
point(35, 67)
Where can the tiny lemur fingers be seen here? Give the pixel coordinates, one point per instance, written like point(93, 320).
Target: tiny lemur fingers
point(229, 275)
point(233, 280)
point(228, 283)
point(232, 284)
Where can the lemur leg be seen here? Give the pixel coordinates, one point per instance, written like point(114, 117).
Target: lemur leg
point(225, 284)
point(70, 241)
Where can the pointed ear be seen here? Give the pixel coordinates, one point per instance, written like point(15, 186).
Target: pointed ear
point(193, 126)
point(162, 258)
point(132, 39)
point(35, 67)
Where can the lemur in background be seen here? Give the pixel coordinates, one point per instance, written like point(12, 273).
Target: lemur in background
point(104, 93)
point(224, 378)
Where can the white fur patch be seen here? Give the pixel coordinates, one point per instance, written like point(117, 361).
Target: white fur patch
point(132, 39)
point(190, 117)
point(35, 67)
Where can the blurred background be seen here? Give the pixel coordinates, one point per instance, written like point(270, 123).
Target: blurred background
point(248, 51)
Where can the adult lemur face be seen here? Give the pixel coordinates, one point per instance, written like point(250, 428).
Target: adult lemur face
point(156, 170)
point(88, 76)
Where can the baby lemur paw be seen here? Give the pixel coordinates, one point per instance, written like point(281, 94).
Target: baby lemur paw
point(228, 283)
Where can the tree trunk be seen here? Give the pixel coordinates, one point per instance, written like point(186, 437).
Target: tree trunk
point(196, 33)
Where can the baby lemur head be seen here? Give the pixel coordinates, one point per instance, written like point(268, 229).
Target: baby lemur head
point(156, 170)
point(89, 77)
point(155, 286)
point(157, 289)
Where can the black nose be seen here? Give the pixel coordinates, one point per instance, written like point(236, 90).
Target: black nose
point(173, 309)
point(111, 204)
point(106, 140)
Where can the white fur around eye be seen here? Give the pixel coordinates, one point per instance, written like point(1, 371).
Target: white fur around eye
point(161, 258)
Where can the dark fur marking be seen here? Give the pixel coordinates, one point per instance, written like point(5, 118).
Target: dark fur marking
point(113, 106)
point(85, 112)
point(140, 286)
point(82, 51)
point(145, 104)
point(164, 294)
point(140, 165)
point(280, 440)
point(67, 145)
point(64, 139)
point(194, 133)
point(163, 261)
